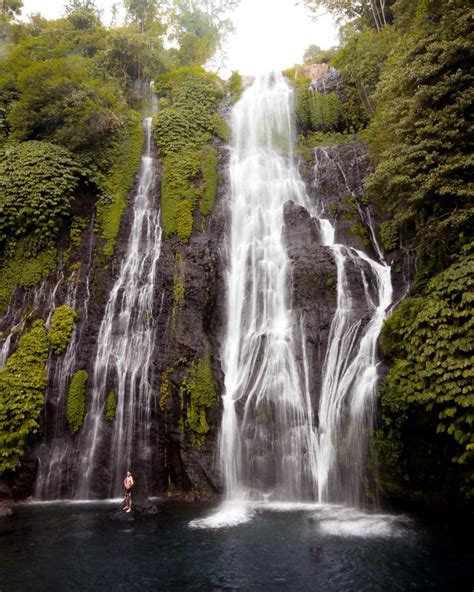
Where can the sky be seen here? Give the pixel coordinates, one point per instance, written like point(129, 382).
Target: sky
point(269, 34)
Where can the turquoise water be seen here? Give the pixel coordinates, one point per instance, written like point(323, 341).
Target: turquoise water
point(81, 547)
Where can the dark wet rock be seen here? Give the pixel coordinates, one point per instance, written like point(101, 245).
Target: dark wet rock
point(5, 490)
point(5, 510)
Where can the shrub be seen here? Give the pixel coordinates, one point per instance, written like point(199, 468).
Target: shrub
point(38, 181)
point(23, 383)
point(76, 400)
point(200, 392)
point(61, 328)
point(110, 406)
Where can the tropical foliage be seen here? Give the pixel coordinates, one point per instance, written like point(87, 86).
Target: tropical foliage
point(22, 386)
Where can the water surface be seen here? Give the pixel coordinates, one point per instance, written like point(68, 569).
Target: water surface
point(80, 547)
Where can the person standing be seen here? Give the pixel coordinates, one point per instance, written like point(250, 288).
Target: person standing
point(128, 483)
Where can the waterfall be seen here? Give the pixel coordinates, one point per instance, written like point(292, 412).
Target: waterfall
point(272, 444)
point(57, 455)
point(268, 438)
point(124, 351)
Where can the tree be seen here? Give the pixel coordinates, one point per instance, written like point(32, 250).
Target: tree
point(315, 55)
point(420, 137)
point(83, 14)
point(142, 12)
point(60, 101)
point(377, 12)
point(10, 8)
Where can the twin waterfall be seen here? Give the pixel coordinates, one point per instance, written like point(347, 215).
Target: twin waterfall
point(272, 444)
point(279, 439)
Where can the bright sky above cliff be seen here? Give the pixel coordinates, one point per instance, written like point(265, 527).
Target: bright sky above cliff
point(269, 33)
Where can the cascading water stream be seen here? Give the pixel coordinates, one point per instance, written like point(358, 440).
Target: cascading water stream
point(57, 455)
point(125, 345)
point(270, 445)
point(268, 440)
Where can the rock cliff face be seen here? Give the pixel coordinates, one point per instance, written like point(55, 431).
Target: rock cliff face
point(189, 321)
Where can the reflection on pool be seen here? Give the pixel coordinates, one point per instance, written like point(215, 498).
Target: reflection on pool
point(259, 547)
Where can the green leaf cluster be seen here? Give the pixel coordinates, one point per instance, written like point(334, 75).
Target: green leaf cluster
point(22, 269)
point(198, 393)
point(429, 389)
point(23, 383)
point(38, 181)
point(420, 139)
point(118, 181)
point(61, 328)
point(76, 400)
point(183, 133)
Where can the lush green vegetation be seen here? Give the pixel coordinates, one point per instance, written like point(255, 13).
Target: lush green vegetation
point(119, 181)
point(183, 132)
point(110, 406)
point(76, 400)
point(61, 328)
point(38, 181)
point(407, 67)
point(68, 125)
point(22, 386)
point(198, 393)
point(72, 94)
point(20, 268)
point(429, 391)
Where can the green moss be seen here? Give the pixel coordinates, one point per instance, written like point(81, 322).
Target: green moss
point(110, 406)
point(183, 133)
point(179, 287)
point(210, 182)
point(61, 328)
point(165, 389)
point(179, 183)
point(24, 270)
point(199, 390)
point(23, 383)
point(76, 400)
point(119, 181)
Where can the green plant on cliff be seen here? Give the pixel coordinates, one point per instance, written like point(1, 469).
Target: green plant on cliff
point(110, 406)
point(61, 328)
point(179, 287)
point(182, 131)
point(23, 383)
point(429, 393)
point(420, 137)
point(119, 181)
point(37, 184)
point(235, 86)
point(76, 400)
point(198, 393)
point(19, 268)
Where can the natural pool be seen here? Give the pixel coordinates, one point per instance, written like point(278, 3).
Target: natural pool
point(79, 547)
